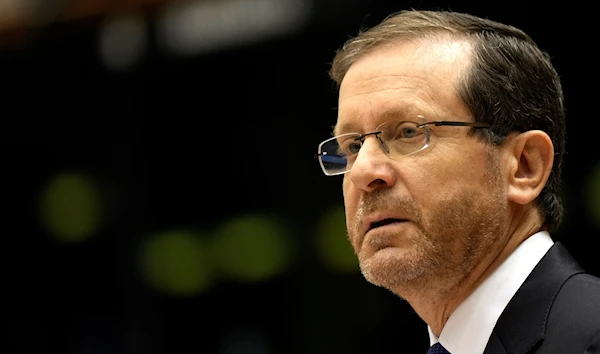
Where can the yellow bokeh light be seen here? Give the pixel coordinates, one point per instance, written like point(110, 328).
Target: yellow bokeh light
point(70, 207)
point(332, 245)
point(176, 263)
point(592, 194)
point(251, 248)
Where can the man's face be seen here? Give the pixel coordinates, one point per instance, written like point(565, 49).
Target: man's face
point(432, 215)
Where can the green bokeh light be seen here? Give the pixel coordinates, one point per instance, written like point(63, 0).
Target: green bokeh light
point(176, 263)
point(244, 342)
point(332, 245)
point(592, 194)
point(70, 207)
point(252, 248)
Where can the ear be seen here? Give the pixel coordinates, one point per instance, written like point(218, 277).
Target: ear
point(531, 159)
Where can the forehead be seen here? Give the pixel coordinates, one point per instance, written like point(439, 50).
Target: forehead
point(408, 78)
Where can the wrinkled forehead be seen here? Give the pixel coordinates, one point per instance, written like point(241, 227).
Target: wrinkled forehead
point(431, 56)
point(414, 78)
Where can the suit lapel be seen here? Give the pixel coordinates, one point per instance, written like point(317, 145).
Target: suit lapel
point(494, 345)
point(522, 325)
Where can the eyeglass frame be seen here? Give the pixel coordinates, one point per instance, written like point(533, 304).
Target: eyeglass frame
point(362, 137)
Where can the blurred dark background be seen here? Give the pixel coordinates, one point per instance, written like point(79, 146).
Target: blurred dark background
point(159, 189)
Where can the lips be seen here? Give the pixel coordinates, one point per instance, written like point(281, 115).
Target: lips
point(384, 222)
point(372, 222)
point(375, 221)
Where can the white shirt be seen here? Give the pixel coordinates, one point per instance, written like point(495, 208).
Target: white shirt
point(470, 326)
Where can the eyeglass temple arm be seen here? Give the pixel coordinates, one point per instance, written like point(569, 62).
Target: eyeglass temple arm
point(459, 124)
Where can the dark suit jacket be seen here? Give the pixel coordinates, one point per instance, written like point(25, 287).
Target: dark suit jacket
point(556, 310)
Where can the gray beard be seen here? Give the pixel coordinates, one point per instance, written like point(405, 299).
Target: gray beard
point(442, 251)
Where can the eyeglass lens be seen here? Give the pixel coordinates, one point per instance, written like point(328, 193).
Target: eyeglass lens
point(399, 137)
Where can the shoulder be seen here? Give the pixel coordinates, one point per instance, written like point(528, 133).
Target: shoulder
point(578, 298)
point(574, 316)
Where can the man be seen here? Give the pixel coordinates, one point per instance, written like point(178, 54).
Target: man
point(450, 137)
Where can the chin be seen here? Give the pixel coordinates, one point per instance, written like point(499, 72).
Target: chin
point(394, 267)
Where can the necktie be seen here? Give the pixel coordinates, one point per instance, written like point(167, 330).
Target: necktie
point(437, 349)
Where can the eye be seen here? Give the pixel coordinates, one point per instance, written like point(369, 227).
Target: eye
point(354, 147)
point(350, 147)
point(408, 132)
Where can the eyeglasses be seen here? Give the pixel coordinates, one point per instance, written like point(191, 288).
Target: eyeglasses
point(397, 137)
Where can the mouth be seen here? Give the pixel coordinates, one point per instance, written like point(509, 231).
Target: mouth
point(384, 222)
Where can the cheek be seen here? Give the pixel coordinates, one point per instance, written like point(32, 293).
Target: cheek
point(433, 184)
point(439, 173)
point(351, 200)
point(348, 191)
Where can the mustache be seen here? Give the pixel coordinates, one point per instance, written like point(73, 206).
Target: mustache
point(384, 200)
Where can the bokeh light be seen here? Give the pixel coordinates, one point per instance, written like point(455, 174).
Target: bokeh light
point(252, 248)
point(332, 245)
point(70, 207)
point(592, 194)
point(241, 341)
point(122, 41)
point(176, 263)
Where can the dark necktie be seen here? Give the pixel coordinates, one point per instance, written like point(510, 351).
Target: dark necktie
point(437, 349)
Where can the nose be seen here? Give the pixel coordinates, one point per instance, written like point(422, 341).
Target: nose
point(372, 168)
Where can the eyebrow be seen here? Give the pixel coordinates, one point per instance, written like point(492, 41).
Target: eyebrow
point(343, 127)
point(386, 115)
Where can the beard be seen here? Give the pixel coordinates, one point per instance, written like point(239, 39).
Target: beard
point(438, 252)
